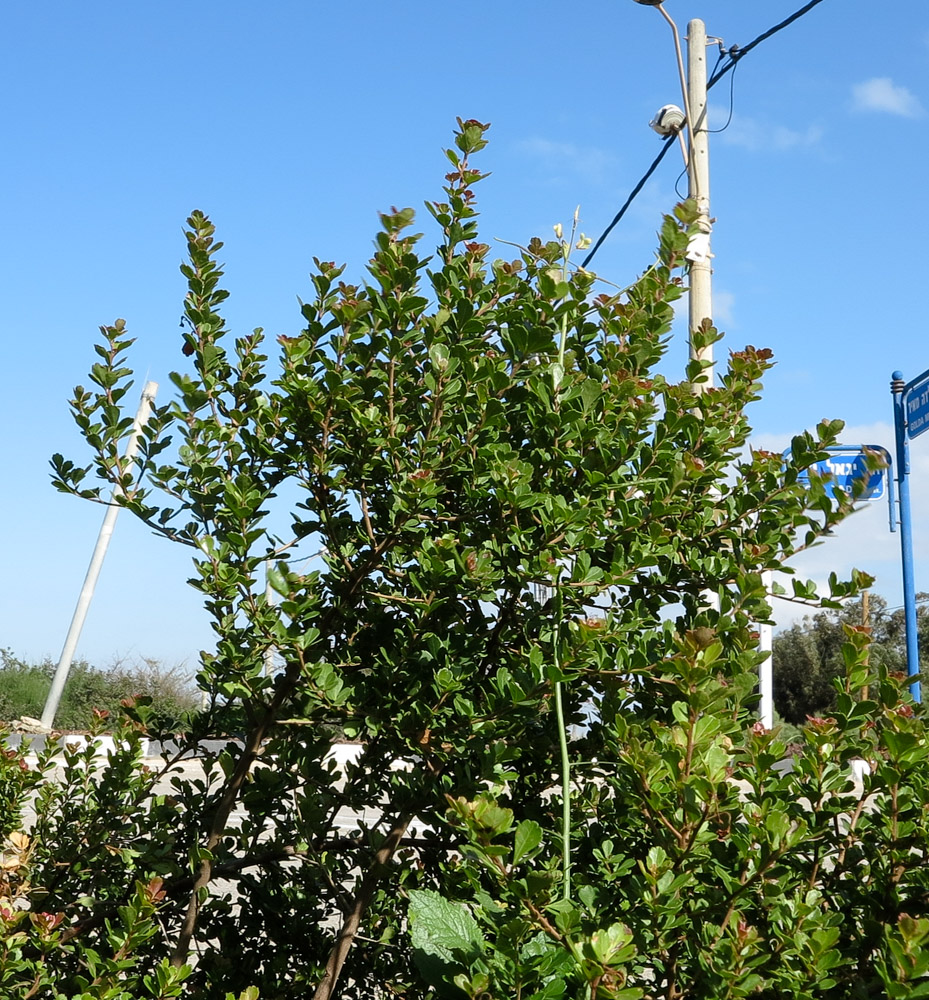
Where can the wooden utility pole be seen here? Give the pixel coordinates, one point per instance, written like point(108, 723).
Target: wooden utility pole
point(698, 172)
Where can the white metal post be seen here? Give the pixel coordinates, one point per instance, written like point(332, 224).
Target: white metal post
point(93, 571)
point(269, 597)
point(766, 668)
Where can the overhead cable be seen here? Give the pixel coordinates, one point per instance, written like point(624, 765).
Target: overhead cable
point(745, 49)
point(736, 56)
point(648, 173)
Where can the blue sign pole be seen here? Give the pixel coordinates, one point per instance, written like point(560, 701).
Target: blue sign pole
point(897, 387)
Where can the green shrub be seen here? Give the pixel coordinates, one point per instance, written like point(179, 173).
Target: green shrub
point(506, 496)
point(24, 688)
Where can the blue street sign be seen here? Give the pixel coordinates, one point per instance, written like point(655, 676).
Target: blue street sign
point(916, 407)
point(844, 468)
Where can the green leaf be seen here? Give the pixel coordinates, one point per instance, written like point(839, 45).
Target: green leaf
point(438, 354)
point(441, 927)
point(445, 937)
point(590, 392)
point(527, 839)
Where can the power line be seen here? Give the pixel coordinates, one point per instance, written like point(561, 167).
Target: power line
point(719, 74)
point(648, 173)
point(736, 54)
point(901, 607)
point(716, 131)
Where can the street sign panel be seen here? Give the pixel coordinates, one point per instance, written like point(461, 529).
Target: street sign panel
point(916, 408)
point(845, 468)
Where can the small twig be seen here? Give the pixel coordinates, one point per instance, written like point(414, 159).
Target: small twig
point(543, 922)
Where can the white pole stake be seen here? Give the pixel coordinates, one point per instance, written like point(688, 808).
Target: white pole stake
point(93, 571)
point(698, 252)
point(269, 597)
point(766, 669)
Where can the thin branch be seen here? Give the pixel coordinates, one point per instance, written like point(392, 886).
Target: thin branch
point(225, 806)
point(363, 897)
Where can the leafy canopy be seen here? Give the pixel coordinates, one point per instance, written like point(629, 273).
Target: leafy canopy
point(519, 526)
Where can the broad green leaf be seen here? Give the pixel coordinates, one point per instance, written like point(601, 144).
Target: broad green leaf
point(527, 838)
point(444, 936)
point(441, 927)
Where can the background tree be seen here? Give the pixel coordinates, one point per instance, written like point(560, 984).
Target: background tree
point(508, 499)
point(808, 654)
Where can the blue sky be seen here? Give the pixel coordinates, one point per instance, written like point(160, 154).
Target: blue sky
point(293, 124)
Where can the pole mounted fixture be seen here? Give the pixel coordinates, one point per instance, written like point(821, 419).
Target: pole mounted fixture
point(668, 121)
point(696, 161)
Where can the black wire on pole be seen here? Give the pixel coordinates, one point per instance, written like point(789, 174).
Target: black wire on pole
point(735, 57)
point(716, 131)
point(719, 74)
point(648, 173)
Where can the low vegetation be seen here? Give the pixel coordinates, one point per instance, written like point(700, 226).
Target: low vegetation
point(24, 688)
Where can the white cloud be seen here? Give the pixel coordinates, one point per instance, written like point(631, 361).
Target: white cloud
point(723, 308)
point(881, 94)
point(760, 135)
point(589, 162)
